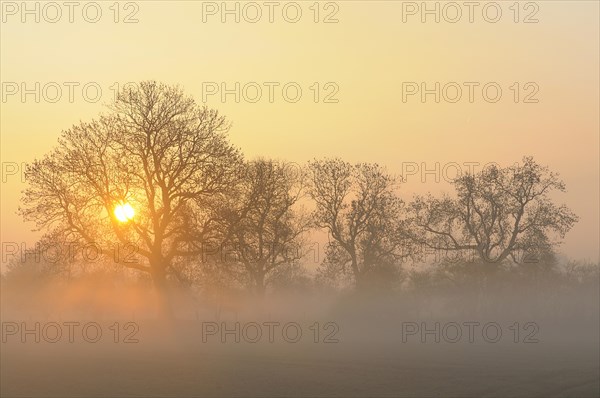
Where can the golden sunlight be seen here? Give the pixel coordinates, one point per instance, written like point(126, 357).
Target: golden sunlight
point(124, 212)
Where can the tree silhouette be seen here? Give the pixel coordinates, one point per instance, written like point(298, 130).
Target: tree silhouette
point(156, 151)
point(498, 213)
point(261, 222)
point(358, 207)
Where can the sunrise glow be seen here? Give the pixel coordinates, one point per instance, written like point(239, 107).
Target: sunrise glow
point(124, 212)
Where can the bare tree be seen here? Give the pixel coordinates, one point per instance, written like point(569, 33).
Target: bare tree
point(498, 213)
point(360, 210)
point(262, 222)
point(157, 158)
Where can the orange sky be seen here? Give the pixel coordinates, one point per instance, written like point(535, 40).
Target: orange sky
point(366, 56)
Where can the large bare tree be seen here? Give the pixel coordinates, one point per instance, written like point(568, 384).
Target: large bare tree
point(359, 208)
point(263, 223)
point(498, 214)
point(159, 156)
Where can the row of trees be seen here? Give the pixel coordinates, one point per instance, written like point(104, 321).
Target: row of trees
point(170, 159)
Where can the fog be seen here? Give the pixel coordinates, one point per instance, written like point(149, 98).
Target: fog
point(511, 333)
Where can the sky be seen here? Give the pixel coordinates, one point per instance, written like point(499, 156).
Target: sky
point(323, 79)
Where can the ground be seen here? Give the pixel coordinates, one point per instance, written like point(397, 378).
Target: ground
point(175, 362)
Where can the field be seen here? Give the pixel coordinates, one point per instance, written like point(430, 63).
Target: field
point(369, 359)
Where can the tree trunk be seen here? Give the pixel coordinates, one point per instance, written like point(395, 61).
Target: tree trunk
point(260, 287)
point(358, 277)
point(159, 278)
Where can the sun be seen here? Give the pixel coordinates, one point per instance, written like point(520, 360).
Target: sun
point(124, 212)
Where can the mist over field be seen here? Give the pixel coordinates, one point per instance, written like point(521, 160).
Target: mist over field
point(457, 333)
